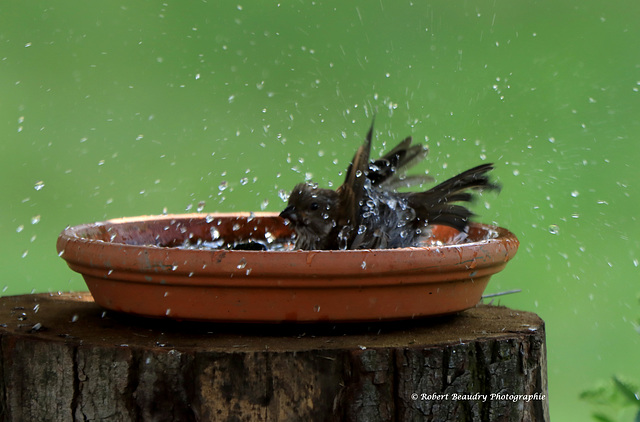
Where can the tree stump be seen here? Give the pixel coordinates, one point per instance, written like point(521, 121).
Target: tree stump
point(64, 358)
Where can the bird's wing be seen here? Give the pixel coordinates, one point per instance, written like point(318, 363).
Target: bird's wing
point(352, 190)
point(389, 170)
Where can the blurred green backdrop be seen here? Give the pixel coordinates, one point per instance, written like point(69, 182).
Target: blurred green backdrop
point(117, 109)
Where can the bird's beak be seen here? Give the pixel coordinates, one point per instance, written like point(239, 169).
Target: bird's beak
point(289, 213)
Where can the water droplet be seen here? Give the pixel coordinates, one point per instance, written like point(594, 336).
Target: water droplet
point(74, 318)
point(201, 205)
point(363, 265)
point(168, 311)
point(343, 238)
point(554, 229)
point(223, 185)
point(242, 264)
point(39, 185)
point(264, 204)
point(575, 193)
point(283, 195)
point(269, 237)
point(244, 181)
point(35, 219)
point(25, 253)
point(316, 308)
point(19, 228)
point(215, 234)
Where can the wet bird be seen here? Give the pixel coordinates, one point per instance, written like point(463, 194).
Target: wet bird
point(367, 211)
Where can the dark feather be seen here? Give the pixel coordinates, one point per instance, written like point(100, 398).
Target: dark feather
point(390, 168)
point(435, 205)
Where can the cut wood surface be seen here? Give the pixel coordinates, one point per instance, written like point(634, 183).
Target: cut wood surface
point(64, 358)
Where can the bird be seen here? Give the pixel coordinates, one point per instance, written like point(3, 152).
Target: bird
point(368, 212)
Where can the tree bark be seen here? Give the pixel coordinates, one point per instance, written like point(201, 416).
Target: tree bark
point(63, 358)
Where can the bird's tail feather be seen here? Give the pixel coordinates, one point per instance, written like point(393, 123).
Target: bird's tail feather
point(436, 206)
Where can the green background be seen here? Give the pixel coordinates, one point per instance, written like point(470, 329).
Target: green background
point(130, 108)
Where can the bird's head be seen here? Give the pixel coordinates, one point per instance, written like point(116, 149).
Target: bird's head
point(312, 214)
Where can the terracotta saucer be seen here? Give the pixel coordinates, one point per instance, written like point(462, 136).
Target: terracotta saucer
point(140, 265)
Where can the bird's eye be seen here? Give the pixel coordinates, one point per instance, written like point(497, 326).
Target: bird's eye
point(314, 206)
